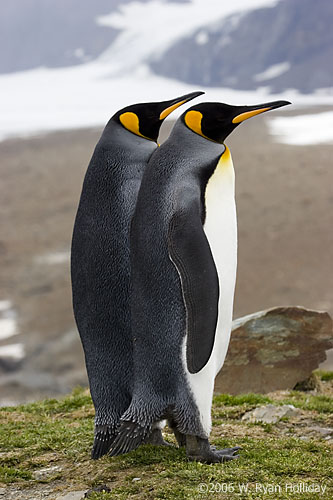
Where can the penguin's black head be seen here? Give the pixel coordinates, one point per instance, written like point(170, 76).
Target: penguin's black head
point(215, 120)
point(146, 119)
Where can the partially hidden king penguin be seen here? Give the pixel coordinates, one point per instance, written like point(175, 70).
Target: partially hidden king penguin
point(183, 261)
point(100, 259)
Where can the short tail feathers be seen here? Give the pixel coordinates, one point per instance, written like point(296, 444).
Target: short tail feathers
point(102, 442)
point(130, 436)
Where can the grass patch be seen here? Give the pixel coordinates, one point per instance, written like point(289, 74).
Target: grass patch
point(60, 432)
point(242, 399)
point(320, 403)
point(10, 474)
point(326, 376)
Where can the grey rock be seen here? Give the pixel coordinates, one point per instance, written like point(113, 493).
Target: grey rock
point(274, 350)
point(270, 414)
point(39, 492)
point(46, 472)
point(324, 431)
point(72, 495)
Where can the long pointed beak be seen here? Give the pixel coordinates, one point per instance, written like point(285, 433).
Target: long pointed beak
point(246, 112)
point(169, 106)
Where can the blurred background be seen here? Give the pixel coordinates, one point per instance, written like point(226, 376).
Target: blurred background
point(66, 66)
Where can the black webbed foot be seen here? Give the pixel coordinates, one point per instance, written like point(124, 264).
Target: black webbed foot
point(181, 438)
point(227, 451)
point(155, 437)
point(199, 450)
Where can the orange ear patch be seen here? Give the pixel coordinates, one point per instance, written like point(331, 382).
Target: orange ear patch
point(193, 121)
point(131, 122)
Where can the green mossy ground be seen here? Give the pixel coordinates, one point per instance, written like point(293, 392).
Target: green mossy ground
point(59, 433)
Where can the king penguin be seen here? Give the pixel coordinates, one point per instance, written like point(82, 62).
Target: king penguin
point(183, 261)
point(100, 258)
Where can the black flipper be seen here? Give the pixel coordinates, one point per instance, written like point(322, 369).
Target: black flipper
point(129, 437)
point(102, 442)
point(190, 252)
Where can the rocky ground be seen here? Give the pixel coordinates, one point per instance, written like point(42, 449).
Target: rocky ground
point(286, 439)
point(284, 202)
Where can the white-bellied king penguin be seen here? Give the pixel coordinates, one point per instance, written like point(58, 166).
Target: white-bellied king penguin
point(100, 258)
point(183, 260)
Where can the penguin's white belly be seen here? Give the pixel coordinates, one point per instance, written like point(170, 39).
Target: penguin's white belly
point(221, 231)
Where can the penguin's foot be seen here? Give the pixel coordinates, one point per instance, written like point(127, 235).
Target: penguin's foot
point(181, 438)
point(227, 451)
point(156, 438)
point(199, 450)
point(102, 442)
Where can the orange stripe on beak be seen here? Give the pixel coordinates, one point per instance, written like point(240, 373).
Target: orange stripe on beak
point(248, 114)
point(170, 109)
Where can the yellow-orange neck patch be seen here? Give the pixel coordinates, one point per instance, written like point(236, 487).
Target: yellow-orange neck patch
point(130, 121)
point(225, 156)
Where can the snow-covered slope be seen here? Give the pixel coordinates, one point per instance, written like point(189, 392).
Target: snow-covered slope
point(87, 95)
point(286, 45)
point(304, 129)
point(83, 96)
point(147, 30)
point(52, 33)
